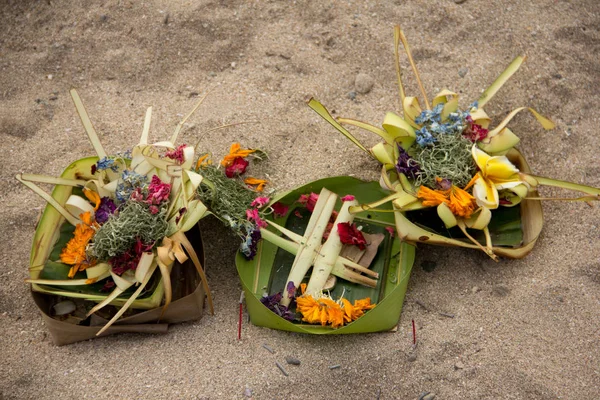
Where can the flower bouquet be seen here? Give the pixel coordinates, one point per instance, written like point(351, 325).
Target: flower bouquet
point(452, 179)
point(112, 239)
point(359, 272)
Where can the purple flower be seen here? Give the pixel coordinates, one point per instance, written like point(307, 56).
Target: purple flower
point(272, 303)
point(106, 209)
point(407, 165)
point(291, 290)
point(443, 184)
point(249, 246)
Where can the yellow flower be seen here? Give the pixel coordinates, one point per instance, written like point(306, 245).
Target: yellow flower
point(496, 173)
point(260, 183)
point(235, 151)
point(74, 252)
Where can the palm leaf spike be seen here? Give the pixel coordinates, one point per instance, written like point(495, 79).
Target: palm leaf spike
point(322, 111)
point(129, 301)
point(180, 124)
point(181, 238)
point(90, 131)
point(500, 81)
point(73, 220)
point(398, 32)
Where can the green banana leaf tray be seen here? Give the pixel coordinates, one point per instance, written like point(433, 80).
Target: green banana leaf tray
point(267, 272)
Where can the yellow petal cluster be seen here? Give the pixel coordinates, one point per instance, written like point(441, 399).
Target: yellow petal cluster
point(495, 173)
point(326, 311)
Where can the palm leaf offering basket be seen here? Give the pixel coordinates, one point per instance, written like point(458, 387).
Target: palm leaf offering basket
point(117, 248)
point(452, 179)
point(265, 275)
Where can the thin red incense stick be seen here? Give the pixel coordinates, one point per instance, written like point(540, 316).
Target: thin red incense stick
point(240, 320)
point(414, 332)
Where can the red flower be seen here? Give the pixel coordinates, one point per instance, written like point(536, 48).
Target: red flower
point(176, 154)
point(259, 202)
point(391, 230)
point(474, 132)
point(309, 201)
point(158, 191)
point(348, 197)
point(349, 234)
point(279, 210)
point(252, 215)
point(237, 167)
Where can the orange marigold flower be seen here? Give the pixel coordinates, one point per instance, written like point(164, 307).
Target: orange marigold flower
point(322, 311)
point(93, 197)
point(74, 252)
point(235, 151)
point(354, 311)
point(460, 202)
point(260, 183)
point(203, 161)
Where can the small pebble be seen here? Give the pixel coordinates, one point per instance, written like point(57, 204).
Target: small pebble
point(247, 392)
point(412, 357)
point(363, 83)
point(292, 361)
point(428, 266)
point(475, 289)
point(463, 71)
point(166, 20)
point(268, 348)
point(459, 1)
point(281, 368)
point(351, 95)
point(500, 291)
point(429, 396)
point(336, 366)
point(459, 365)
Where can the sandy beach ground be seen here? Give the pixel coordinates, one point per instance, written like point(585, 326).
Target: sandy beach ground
point(522, 329)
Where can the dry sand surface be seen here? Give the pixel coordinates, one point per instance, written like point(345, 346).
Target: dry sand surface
point(522, 329)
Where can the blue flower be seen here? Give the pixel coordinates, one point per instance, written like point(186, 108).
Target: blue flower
point(424, 137)
point(130, 181)
point(106, 163)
